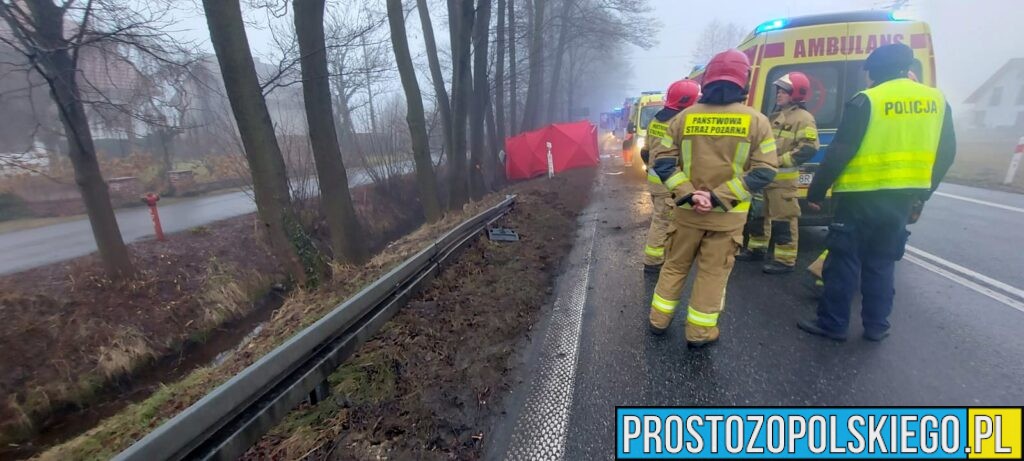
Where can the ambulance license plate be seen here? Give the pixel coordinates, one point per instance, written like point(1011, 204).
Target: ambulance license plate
point(805, 179)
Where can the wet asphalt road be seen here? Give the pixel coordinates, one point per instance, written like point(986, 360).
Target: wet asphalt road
point(26, 249)
point(950, 345)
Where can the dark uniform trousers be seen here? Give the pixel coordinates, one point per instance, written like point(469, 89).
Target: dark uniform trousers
point(867, 236)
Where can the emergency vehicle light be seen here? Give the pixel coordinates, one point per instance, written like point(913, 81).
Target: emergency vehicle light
point(771, 25)
point(897, 15)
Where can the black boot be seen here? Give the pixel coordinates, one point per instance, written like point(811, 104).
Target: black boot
point(811, 326)
point(746, 254)
point(652, 268)
point(776, 267)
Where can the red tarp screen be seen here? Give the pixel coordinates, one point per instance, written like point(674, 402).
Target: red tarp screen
point(573, 145)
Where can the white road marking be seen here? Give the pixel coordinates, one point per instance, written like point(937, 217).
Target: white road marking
point(999, 291)
point(981, 202)
point(963, 270)
point(967, 283)
point(543, 424)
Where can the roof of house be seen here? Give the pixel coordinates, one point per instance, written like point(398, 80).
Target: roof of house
point(1014, 63)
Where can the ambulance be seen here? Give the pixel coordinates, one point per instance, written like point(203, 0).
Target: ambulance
point(640, 115)
point(830, 49)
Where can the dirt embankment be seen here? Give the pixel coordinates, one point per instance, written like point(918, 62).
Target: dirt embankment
point(300, 309)
point(431, 383)
point(78, 347)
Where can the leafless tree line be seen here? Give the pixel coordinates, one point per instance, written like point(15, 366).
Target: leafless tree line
point(509, 66)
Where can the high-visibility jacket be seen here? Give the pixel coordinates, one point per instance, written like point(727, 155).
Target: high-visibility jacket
point(900, 143)
point(715, 148)
point(796, 137)
point(657, 129)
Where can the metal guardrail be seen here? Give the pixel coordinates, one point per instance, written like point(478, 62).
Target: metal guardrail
point(230, 419)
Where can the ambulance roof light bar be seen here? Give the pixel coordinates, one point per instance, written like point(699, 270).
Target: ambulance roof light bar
point(775, 24)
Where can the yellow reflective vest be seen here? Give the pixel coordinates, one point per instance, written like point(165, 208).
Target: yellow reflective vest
point(899, 147)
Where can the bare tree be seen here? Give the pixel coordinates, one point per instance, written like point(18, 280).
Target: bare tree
point(563, 32)
point(437, 78)
point(478, 177)
point(346, 232)
point(716, 37)
point(270, 182)
point(513, 77)
point(535, 88)
point(499, 75)
point(460, 19)
point(415, 117)
point(38, 28)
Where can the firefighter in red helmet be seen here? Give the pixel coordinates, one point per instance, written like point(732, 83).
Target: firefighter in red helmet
point(714, 156)
point(680, 95)
point(796, 134)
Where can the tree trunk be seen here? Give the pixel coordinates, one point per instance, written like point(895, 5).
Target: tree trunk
point(481, 94)
point(499, 77)
point(440, 93)
point(513, 77)
point(266, 165)
point(58, 69)
point(369, 88)
point(563, 30)
point(494, 163)
point(460, 13)
point(535, 87)
point(335, 199)
point(425, 179)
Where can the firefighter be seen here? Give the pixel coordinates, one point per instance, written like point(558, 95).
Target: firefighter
point(891, 150)
point(715, 154)
point(797, 136)
point(680, 95)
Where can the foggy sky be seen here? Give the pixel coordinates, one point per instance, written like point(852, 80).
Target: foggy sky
point(972, 38)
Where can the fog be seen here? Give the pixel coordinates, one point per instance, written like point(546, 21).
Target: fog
point(972, 38)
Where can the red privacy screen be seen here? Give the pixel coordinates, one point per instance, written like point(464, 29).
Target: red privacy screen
point(573, 145)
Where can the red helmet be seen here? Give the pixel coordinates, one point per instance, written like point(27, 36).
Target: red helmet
point(682, 94)
point(730, 66)
point(796, 84)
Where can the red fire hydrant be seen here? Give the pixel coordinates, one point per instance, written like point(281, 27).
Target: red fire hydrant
point(150, 200)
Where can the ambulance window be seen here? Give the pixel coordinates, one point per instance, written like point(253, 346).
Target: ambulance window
point(826, 83)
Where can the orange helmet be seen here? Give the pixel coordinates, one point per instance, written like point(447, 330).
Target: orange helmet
point(730, 66)
point(796, 84)
point(682, 94)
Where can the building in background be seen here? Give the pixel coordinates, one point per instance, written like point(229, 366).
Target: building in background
point(999, 102)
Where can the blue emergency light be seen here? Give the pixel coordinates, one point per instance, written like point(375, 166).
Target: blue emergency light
point(897, 15)
point(771, 25)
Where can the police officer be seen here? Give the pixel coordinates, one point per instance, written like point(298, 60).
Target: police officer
point(892, 148)
point(714, 156)
point(680, 95)
point(797, 136)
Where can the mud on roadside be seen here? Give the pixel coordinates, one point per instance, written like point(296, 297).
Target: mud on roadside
point(430, 384)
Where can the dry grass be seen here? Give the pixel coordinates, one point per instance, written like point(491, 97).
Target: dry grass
point(124, 353)
point(984, 164)
point(300, 309)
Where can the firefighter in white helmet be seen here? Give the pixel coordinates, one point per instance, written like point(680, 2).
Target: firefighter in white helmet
point(796, 135)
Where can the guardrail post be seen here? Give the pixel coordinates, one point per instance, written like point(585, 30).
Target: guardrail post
point(320, 393)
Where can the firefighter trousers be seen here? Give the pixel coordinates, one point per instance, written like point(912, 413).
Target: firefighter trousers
point(714, 252)
point(661, 218)
point(781, 223)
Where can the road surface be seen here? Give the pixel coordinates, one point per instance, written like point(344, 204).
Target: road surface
point(956, 335)
point(31, 248)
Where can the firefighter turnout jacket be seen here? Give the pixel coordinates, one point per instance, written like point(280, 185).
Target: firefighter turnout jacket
point(727, 150)
point(796, 137)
